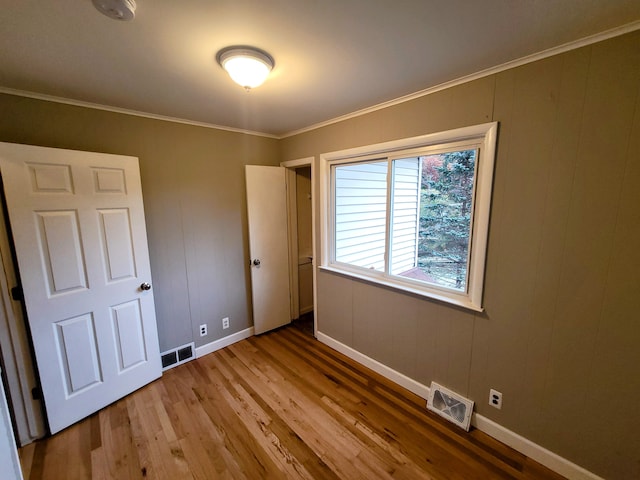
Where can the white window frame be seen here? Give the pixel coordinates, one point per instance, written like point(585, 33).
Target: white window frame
point(484, 135)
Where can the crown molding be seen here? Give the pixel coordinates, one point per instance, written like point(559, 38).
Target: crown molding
point(583, 42)
point(126, 111)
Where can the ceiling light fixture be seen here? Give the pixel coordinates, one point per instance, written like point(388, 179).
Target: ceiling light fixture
point(116, 9)
point(247, 66)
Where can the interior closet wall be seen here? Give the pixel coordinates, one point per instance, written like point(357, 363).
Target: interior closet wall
point(305, 269)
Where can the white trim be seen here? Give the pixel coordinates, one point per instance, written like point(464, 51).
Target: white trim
point(484, 136)
point(567, 47)
point(8, 451)
point(314, 251)
point(397, 283)
point(532, 450)
point(303, 162)
point(20, 370)
point(583, 42)
point(448, 136)
point(387, 372)
point(223, 342)
point(126, 111)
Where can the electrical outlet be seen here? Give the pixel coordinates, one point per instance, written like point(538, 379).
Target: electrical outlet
point(495, 399)
point(203, 329)
point(225, 322)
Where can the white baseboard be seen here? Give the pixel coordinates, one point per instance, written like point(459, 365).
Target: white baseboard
point(223, 342)
point(532, 450)
point(397, 377)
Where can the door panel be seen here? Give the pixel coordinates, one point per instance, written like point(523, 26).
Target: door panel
point(59, 238)
point(127, 324)
point(78, 363)
point(117, 243)
point(78, 225)
point(268, 245)
point(50, 178)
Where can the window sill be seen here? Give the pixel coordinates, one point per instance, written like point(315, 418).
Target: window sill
point(453, 299)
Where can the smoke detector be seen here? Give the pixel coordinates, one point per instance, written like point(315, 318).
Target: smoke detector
point(116, 9)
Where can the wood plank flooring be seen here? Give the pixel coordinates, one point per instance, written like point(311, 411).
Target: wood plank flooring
point(281, 405)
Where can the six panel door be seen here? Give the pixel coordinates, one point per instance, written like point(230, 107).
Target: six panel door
point(78, 226)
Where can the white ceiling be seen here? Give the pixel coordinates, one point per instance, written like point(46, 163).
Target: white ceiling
point(333, 57)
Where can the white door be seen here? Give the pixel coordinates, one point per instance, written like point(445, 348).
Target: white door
point(78, 227)
point(268, 247)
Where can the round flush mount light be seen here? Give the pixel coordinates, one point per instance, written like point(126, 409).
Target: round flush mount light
point(116, 9)
point(249, 67)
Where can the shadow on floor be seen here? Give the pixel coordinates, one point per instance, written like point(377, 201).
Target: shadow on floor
point(304, 323)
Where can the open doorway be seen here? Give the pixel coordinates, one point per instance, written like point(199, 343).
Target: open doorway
point(301, 221)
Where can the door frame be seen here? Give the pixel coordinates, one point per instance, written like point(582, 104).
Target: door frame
point(17, 355)
point(290, 178)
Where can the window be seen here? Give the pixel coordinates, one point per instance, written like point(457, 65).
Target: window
point(412, 214)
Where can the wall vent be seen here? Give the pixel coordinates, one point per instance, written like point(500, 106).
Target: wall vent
point(450, 405)
point(176, 356)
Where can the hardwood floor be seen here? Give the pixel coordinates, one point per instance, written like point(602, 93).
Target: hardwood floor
point(281, 405)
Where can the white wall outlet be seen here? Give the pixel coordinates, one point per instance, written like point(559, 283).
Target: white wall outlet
point(495, 399)
point(225, 322)
point(203, 329)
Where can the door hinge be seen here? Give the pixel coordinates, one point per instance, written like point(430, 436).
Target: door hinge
point(17, 293)
point(36, 394)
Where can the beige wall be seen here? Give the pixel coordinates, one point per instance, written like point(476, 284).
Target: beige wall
point(561, 332)
point(560, 336)
point(194, 196)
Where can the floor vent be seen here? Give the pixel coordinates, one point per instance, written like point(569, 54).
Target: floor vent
point(450, 405)
point(176, 356)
